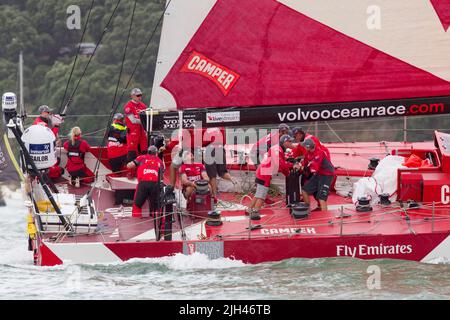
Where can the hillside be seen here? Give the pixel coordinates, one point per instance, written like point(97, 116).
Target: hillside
point(39, 29)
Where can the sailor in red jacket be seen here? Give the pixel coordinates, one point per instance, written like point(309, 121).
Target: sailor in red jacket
point(149, 172)
point(117, 143)
point(76, 150)
point(273, 163)
point(190, 172)
point(136, 136)
point(45, 120)
point(300, 136)
point(264, 144)
point(318, 163)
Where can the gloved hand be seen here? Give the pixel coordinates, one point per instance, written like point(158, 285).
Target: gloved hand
point(57, 120)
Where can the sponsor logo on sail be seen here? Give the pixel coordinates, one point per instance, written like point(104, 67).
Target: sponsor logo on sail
point(223, 77)
point(218, 117)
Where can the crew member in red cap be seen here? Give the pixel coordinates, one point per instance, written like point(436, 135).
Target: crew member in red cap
point(136, 136)
point(322, 170)
point(273, 163)
point(76, 150)
point(264, 144)
point(117, 143)
point(149, 172)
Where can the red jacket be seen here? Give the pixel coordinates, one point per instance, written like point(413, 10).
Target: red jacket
point(117, 140)
point(132, 110)
point(265, 143)
point(318, 162)
point(148, 167)
point(75, 154)
point(44, 121)
point(193, 171)
point(207, 136)
point(269, 167)
point(300, 151)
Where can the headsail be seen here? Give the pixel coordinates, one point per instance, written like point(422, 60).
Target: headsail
point(240, 53)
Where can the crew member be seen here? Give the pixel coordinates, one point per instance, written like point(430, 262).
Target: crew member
point(76, 149)
point(117, 143)
point(299, 136)
point(190, 172)
point(149, 172)
point(264, 144)
point(45, 120)
point(136, 136)
point(157, 139)
point(322, 171)
point(175, 149)
point(216, 161)
point(56, 171)
point(273, 163)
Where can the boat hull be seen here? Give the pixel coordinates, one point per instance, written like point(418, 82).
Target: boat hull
point(430, 247)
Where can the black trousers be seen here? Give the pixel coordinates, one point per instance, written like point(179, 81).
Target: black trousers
point(147, 190)
point(117, 163)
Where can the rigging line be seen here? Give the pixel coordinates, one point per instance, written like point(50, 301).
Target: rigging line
point(114, 106)
point(342, 141)
point(143, 52)
point(95, 49)
point(76, 56)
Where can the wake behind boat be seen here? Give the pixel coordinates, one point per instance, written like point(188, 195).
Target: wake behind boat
point(380, 205)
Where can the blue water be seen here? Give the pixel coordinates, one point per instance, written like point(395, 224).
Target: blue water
point(197, 277)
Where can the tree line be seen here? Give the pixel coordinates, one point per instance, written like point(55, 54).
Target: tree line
point(39, 29)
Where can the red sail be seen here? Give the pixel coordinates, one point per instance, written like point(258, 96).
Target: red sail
point(275, 55)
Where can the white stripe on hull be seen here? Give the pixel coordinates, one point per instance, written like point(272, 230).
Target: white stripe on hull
point(83, 252)
point(441, 251)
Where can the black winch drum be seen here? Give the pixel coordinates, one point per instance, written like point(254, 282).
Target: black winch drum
point(300, 211)
point(202, 187)
point(214, 219)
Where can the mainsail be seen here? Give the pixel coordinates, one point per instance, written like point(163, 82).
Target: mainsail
point(341, 59)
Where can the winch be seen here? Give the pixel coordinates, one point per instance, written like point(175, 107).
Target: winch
point(363, 204)
point(300, 211)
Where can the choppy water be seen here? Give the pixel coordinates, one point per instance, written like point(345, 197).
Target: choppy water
point(197, 277)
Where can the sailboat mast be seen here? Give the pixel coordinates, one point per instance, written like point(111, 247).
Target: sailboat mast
point(21, 104)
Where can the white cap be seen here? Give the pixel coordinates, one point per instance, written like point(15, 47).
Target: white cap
point(44, 108)
point(136, 91)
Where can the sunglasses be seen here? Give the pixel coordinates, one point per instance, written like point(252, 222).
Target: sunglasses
point(139, 95)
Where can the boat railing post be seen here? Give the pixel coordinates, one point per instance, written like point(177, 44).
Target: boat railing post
point(249, 227)
point(342, 220)
point(405, 129)
point(432, 218)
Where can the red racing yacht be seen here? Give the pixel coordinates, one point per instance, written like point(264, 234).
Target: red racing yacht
point(239, 64)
